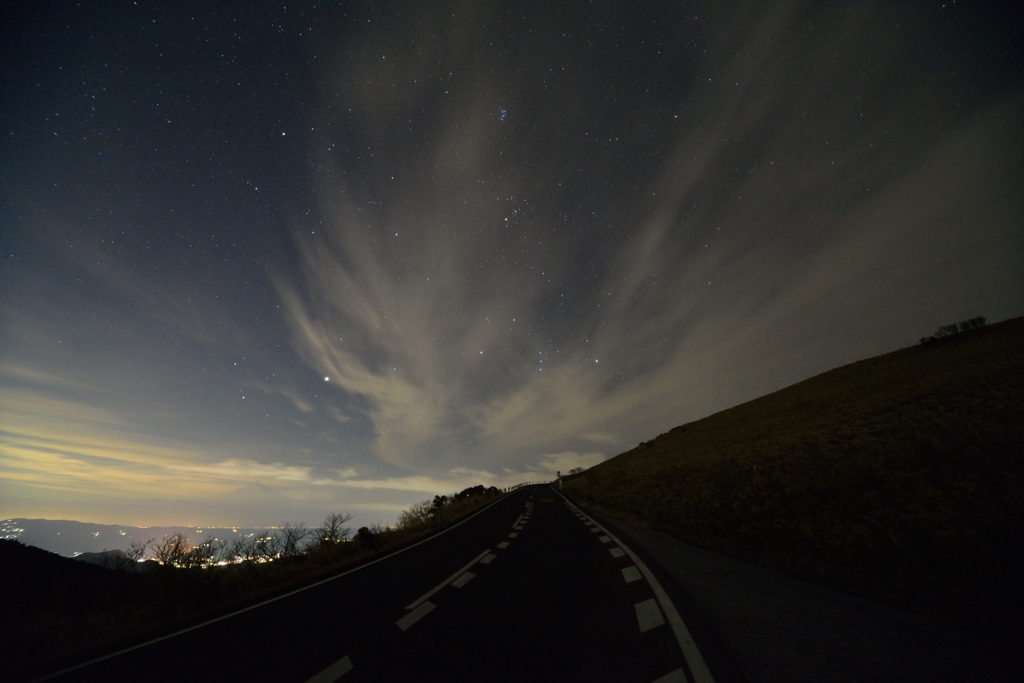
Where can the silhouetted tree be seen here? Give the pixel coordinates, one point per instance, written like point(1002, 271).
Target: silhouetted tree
point(268, 546)
point(333, 530)
point(204, 555)
point(137, 551)
point(244, 549)
point(173, 550)
point(439, 503)
point(947, 331)
point(417, 515)
point(293, 538)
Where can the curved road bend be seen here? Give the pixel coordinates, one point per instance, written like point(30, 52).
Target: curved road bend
point(530, 588)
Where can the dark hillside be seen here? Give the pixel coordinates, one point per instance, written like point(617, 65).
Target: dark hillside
point(900, 478)
point(40, 580)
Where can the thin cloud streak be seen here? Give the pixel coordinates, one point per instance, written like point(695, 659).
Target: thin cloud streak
point(720, 279)
point(522, 247)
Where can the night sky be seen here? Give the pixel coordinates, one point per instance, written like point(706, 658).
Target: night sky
point(265, 261)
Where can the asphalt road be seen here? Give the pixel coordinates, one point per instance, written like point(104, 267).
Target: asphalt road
point(528, 589)
point(778, 629)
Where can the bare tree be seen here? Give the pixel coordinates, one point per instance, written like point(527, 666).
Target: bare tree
point(268, 546)
point(204, 555)
point(333, 530)
point(137, 551)
point(417, 515)
point(293, 538)
point(243, 549)
point(173, 550)
point(128, 559)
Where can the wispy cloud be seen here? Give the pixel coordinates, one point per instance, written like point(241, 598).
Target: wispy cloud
point(767, 225)
point(514, 257)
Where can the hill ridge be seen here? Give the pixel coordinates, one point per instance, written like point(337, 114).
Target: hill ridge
point(898, 477)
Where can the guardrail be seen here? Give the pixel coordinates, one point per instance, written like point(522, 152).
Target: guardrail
point(525, 483)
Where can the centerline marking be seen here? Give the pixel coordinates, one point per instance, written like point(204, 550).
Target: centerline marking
point(333, 672)
point(412, 617)
point(267, 602)
point(464, 579)
point(423, 598)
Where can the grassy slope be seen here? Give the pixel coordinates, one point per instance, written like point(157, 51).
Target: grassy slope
point(899, 478)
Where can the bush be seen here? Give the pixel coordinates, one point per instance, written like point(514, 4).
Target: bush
point(947, 331)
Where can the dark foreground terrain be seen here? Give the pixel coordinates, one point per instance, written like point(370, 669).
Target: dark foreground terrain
point(529, 588)
point(58, 611)
point(899, 478)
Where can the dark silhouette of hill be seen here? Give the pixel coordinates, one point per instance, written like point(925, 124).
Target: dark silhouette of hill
point(899, 478)
point(45, 581)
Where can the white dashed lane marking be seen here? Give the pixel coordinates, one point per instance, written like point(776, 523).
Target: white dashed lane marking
point(423, 598)
point(677, 676)
point(630, 574)
point(694, 658)
point(605, 539)
point(594, 530)
point(488, 559)
point(648, 615)
point(463, 580)
point(513, 534)
point(412, 617)
point(333, 672)
point(503, 545)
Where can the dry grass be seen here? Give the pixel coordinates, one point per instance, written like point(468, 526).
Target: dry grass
point(900, 478)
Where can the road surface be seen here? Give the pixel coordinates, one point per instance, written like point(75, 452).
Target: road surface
point(527, 589)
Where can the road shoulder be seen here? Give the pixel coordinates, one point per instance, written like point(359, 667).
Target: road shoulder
point(777, 628)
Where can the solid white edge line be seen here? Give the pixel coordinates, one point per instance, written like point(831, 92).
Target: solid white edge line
point(698, 667)
point(333, 672)
point(425, 596)
point(261, 604)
